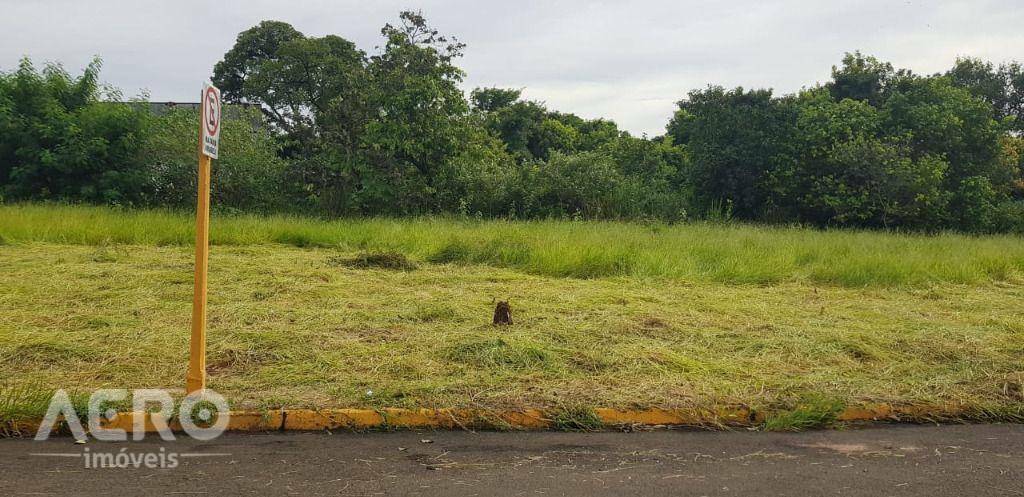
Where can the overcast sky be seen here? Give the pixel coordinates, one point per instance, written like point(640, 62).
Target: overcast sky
point(627, 61)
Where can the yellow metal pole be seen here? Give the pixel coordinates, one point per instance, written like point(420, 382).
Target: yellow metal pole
point(196, 378)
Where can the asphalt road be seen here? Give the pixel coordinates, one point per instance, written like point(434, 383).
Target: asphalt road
point(897, 460)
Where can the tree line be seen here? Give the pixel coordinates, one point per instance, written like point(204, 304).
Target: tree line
point(344, 132)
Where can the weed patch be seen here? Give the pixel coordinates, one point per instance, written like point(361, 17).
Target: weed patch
point(575, 418)
point(809, 412)
point(27, 402)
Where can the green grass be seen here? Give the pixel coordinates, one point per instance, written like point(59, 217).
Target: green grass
point(688, 252)
point(23, 402)
point(575, 418)
point(813, 411)
point(101, 298)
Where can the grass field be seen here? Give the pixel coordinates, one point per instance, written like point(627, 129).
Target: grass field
point(606, 314)
point(687, 252)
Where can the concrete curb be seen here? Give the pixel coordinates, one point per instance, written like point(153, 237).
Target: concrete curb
point(525, 419)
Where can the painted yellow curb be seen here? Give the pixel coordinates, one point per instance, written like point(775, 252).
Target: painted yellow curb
point(867, 413)
point(238, 421)
point(679, 417)
point(332, 419)
point(525, 419)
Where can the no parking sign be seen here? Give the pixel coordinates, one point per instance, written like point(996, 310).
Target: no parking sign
point(211, 120)
point(209, 142)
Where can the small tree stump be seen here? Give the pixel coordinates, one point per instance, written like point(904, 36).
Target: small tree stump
point(502, 313)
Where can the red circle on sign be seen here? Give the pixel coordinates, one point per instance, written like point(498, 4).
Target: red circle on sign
point(211, 104)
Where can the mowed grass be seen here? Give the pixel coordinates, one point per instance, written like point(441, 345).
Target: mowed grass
point(385, 313)
point(292, 327)
point(731, 253)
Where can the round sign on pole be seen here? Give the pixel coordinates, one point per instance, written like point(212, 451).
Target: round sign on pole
point(211, 109)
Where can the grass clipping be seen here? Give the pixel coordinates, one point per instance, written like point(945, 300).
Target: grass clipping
point(395, 261)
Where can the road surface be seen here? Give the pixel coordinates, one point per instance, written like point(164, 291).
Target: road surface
point(894, 460)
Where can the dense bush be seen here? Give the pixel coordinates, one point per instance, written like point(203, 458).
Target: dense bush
point(248, 176)
point(59, 140)
point(874, 147)
point(481, 180)
point(736, 139)
point(586, 184)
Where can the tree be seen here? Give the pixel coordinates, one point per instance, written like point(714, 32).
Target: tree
point(656, 173)
point(493, 99)
point(869, 182)
point(861, 78)
point(1002, 87)
point(554, 135)
point(587, 184)
point(975, 205)
point(531, 131)
point(306, 87)
point(249, 175)
point(253, 48)
point(518, 126)
point(941, 119)
point(60, 139)
point(482, 179)
point(736, 140)
point(320, 85)
point(420, 117)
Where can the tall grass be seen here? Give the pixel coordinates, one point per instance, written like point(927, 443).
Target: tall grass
point(730, 253)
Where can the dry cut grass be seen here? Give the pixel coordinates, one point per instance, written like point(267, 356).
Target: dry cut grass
point(294, 327)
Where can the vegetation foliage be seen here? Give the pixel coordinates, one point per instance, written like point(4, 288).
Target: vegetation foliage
point(343, 131)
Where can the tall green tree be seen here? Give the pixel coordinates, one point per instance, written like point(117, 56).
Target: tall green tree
point(420, 117)
point(941, 119)
point(306, 87)
point(1002, 87)
point(253, 49)
point(533, 132)
point(62, 138)
point(493, 99)
point(848, 171)
point(861, 77)
point(736, 140)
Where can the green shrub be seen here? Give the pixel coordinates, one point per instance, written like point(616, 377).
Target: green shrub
point(576, 418)
point(62, 138)
point(248, 176)
point(808, 412)
point(581, 185)
point(478, 181)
